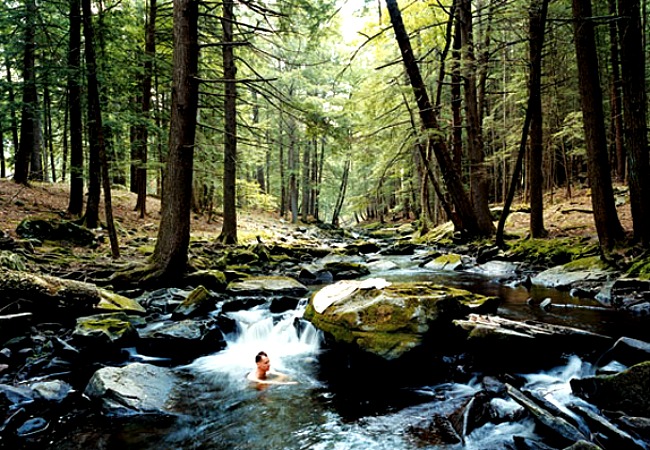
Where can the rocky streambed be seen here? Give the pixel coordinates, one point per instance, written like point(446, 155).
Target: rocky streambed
point(70, 350)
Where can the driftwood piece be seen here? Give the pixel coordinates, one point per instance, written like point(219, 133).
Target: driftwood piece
point(614, 435)
point(557, 425)
point(42, 294)
point(525, 329)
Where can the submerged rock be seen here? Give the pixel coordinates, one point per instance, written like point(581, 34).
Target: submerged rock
point(133, 389)
point(450, 261)
point(393, 320)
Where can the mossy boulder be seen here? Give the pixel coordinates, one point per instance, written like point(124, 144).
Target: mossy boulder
point(583, 270)
point(450, 261)
point(55, 230)
point(105, 329)
point(211, 279)
point(199, 302)
point(391, 321)
point(627, 391)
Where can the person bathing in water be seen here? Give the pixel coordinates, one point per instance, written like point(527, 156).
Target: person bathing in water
point(263, 373)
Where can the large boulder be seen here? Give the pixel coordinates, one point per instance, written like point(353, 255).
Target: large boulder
point(55, 230)
point(627, 391)
point(133, 389)
point(101, 330)
point(386, 319)
point(263, 286)
point(582, 272)
point(181, 340)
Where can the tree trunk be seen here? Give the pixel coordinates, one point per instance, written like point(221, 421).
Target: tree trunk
point(75, 205)
point(634, 106)
point(456, 101)
point(615, 96)
point(469, 223)
point(48, 127)
point(293, 174)
point(306, 165)
point(537, 24)
point(3, 163)
point(608, 226)
point(229, 228)
point(36, 165)
point(283, 182)
point(95, 131)
point(142, 135)
point(170, 254)
point(341, 197)
point(479, 183)
point(12, 107)
point(28, 117)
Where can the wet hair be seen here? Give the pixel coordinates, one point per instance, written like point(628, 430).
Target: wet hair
point(259, 356)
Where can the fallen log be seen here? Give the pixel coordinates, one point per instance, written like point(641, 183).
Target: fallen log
point(616, 437)
point(43, 294)
point(557, 425)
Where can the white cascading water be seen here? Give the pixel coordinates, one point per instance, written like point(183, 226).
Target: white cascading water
point(287, 351)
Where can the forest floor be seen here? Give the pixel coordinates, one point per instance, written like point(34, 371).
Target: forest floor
point(564, 215)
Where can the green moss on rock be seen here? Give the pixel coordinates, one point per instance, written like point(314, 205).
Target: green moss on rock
point(552, 251)
point(391, 321)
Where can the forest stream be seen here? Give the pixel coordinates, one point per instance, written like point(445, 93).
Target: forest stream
point(218, 409)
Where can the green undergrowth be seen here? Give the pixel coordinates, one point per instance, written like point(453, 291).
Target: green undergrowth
point(555, 251)
point(640, 268)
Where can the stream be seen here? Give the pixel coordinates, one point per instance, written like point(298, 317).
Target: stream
point(219, 409)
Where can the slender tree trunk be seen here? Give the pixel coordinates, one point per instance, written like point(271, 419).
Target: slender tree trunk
point(283, 182)
point(3, 163)
point(635, 106)
point(615, 96)
point(602, 195)
point(479, 183)
point(467, 217)
point(293, 173)
point(142, 139)
point(96, 133)
point(36, 166)
point(75, 205)
point(12, 108)
point(48, 128)
point(28, 117)
point(229, 228)
point(456, 101)
point(537, 24)
point(341, 197)
point(306, 164)
point(170, 254)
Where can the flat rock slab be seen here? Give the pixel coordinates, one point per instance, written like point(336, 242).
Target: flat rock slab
point(134, 389)
point(265, 286)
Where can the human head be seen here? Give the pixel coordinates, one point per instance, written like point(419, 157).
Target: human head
point(260, 356)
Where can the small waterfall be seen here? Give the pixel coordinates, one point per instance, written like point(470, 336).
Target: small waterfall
point(289, 346)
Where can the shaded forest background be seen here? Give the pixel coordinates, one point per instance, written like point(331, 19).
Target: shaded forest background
point(330, 111)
